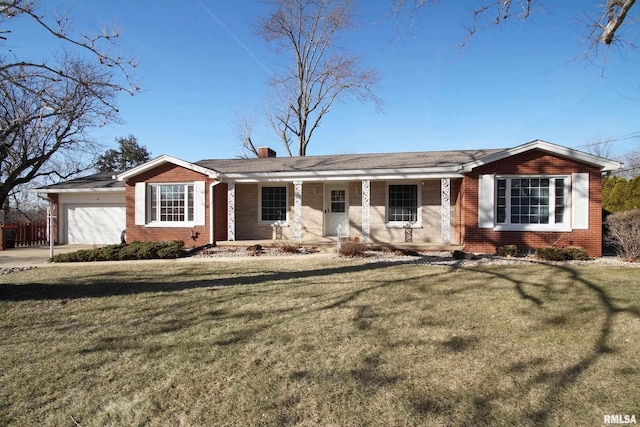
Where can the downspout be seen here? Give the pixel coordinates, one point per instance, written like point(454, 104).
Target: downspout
point(212, 239)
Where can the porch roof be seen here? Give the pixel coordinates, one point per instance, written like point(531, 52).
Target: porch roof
point(345, 165)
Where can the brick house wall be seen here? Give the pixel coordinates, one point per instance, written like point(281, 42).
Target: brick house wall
point(534, 162)
point(166, 174)
point(220, 211)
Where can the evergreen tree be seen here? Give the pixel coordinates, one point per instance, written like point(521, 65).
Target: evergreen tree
point(129, 154)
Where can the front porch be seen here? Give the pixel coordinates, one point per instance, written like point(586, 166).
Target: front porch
point(414, 214)
point(329, 245)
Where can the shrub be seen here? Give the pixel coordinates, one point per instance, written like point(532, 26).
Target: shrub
point(575, 253)
point(130, 251)
point(170, 252)
point(290, 248)
point(624, 234)
point(562, 254)
point(255, 250)
point(507, 251)
point(550, 254)
point(352, 249)
point(463, 255)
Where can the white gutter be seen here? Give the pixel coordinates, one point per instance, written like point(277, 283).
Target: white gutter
point(351, 175)
point(77, 190)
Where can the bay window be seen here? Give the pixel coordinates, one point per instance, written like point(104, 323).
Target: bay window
point(171, 203)
point(527, 202)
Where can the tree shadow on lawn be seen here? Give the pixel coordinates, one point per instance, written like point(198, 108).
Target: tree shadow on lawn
point(120, 284)
point(485, 405)
point(553, 381)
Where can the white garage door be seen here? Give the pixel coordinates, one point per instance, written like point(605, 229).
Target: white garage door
point(95, 224)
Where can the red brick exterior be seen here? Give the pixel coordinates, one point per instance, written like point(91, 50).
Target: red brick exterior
point(220, 211)
point(170, 173)
point(533, 162)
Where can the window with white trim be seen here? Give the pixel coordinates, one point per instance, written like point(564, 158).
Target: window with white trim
point(540, 200)
point(273, 204)
point(402, 203)
point(171, 203)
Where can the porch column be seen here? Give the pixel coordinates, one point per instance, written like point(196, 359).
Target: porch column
point(297, 211)
point(231, 211)
point(366, 204)
point(445, 187)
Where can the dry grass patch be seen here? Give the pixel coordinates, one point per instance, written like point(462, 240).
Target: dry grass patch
point(308, 342)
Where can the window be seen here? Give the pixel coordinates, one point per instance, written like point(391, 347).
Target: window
point(273, 204)
point(403, 203)
point(338, 201)
point(532, 200)
point(171, 203)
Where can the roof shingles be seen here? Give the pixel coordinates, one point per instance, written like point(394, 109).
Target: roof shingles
point(346, 162)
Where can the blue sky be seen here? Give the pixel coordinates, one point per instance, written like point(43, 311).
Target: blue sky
point(200, 64)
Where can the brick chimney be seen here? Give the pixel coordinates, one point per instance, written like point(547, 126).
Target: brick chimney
point(264, 152)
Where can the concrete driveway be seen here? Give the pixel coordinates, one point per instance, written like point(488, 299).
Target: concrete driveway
point(33, 255)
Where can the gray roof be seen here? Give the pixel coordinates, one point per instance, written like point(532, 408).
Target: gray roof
point(105, 181)
point(99, 181)
point(424, 159)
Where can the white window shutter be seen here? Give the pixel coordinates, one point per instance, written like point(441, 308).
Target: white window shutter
point(580, 201)
point(141, 203)
point(198, 202)
point(486, 197)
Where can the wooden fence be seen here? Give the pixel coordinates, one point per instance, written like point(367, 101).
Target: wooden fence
point(26, 234)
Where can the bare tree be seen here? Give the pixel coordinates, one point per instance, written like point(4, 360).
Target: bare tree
point(321, 71)
point(600, 147)
point(244, 123)
point(47, 106)
point(605, 23)
point(631, 168)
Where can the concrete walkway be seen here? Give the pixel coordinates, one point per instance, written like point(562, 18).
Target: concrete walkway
point(34, 255)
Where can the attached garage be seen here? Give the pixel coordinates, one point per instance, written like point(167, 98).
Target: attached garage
point(91, 218)
point(94, 224)
point(89, 210)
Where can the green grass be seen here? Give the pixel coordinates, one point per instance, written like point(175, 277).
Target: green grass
point(318, 342)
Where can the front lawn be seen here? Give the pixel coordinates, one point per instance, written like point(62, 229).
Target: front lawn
point(318, 342)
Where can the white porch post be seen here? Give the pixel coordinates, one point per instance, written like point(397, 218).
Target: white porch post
point(297, 211)
point(445, 187)
point(231, 211)
point(366, 205)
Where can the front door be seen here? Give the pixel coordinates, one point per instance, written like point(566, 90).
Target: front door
point(336, 210)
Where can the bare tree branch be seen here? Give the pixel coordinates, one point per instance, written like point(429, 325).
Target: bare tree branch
point(48, 106)
point(616, 13)
point(605, 27)
point(321, 72)
point(97, 45)
point(244, 124)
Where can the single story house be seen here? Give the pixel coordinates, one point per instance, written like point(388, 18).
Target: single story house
point(532, 195)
